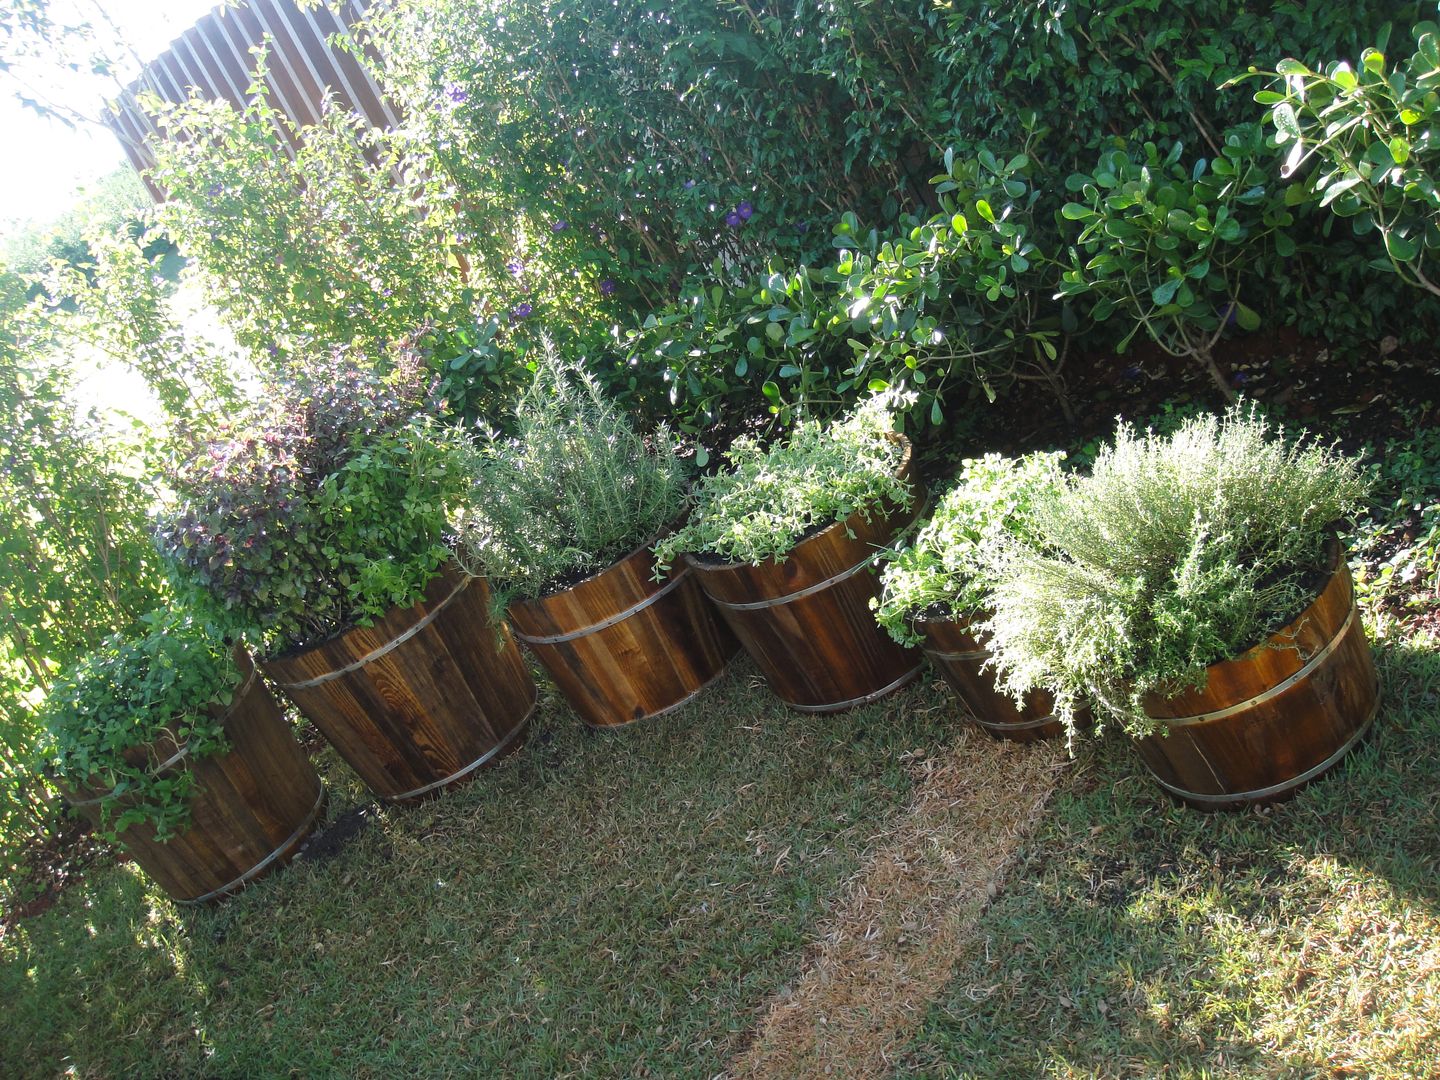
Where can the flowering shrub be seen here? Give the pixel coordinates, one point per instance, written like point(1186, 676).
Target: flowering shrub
point(321, 509)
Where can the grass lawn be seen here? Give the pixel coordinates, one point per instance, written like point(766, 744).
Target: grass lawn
point(1140, 939)
point(605, 904)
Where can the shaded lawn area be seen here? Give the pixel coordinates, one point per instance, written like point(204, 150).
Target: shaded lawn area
point(1139, 939)
point(601, 903)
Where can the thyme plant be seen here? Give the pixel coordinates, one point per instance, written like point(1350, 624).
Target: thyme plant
point(574, 489)
point(768, 499)
point(1175, 553)
point(946, 572)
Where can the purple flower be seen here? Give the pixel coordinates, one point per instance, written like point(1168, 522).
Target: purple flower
point(521, 311)
point(689, 184)
point(745, 210)
point(802, 227)
point(515, 267)
point(456, 93)
point(214, 190)
point(1240, 378)
point(607, 287)
point(560, 226)
point(733, 219)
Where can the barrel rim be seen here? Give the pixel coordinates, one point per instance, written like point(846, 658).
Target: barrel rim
point(182, 750)
point(1338, 577)
point(903, 470)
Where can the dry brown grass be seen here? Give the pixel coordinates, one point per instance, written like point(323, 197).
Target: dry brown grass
point(892, 943)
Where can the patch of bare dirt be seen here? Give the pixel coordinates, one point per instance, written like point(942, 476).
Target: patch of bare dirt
point(891, 945)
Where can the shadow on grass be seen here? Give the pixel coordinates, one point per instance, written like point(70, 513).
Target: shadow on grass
point(619, 903)
point(1139, 938)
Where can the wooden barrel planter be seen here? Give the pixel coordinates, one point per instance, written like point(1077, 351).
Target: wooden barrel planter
point(1276, 717)
point(623, 647)
point(807, 621)
point(421, 699)
point(960, 657)
point(253, 806)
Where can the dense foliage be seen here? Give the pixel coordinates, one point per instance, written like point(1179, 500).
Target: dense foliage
point(1174, 553)
point(123, 710)
point(75, 558)
point(574, 489)
point(321, 508)
point(764, 500)
point(947, 571)
point(1373, 128)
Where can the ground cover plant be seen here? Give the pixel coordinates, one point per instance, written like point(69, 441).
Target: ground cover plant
point(1173, 553)
point(571, 491)
point(765, 500)
point(947, 571)
point(125, 708)
point(484, 931)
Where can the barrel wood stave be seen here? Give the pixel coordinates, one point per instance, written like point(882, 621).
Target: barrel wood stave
point(1268, 722)
point(959, 656)
point(629, 647)
point(254, 805)
point(420, 699)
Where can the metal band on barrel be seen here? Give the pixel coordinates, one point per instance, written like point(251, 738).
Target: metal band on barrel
point(481, 760)
point(864, 700)
point(259, 867)
point(183, 752)
point(1266, 695)
point(1284, 785)
point(394, 643)
point(1023, 725)
point(605, 624)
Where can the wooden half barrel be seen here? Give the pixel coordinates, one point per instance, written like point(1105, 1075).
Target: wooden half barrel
point(253, 806)
point(960, 658)
point(623, 647)
point(1275, 718)
point(807, 621)
point(422, 698)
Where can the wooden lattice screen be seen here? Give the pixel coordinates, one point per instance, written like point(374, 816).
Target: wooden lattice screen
point(213, 58)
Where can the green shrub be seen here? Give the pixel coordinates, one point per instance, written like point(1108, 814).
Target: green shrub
point(1176, 552)
point(1172, 249)
point(764, 501)
point(1376, 131)
point(321, 508)
point(571, 492)
point(946, 572)
point(125, 696)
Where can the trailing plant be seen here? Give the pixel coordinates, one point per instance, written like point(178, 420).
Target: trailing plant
point(1172, 249)
point(765, 500)
point(572, 491)
point(1375, 130)
point(1174, 553)
point(947, 571)
point(321, 508)
point(126, 708)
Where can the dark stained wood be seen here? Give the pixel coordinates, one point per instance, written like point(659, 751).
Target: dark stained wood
point(422, 714)
point(1280, 736)
point(821, 651)
point(253, 806)
point(960, 656)
point(642, 663)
